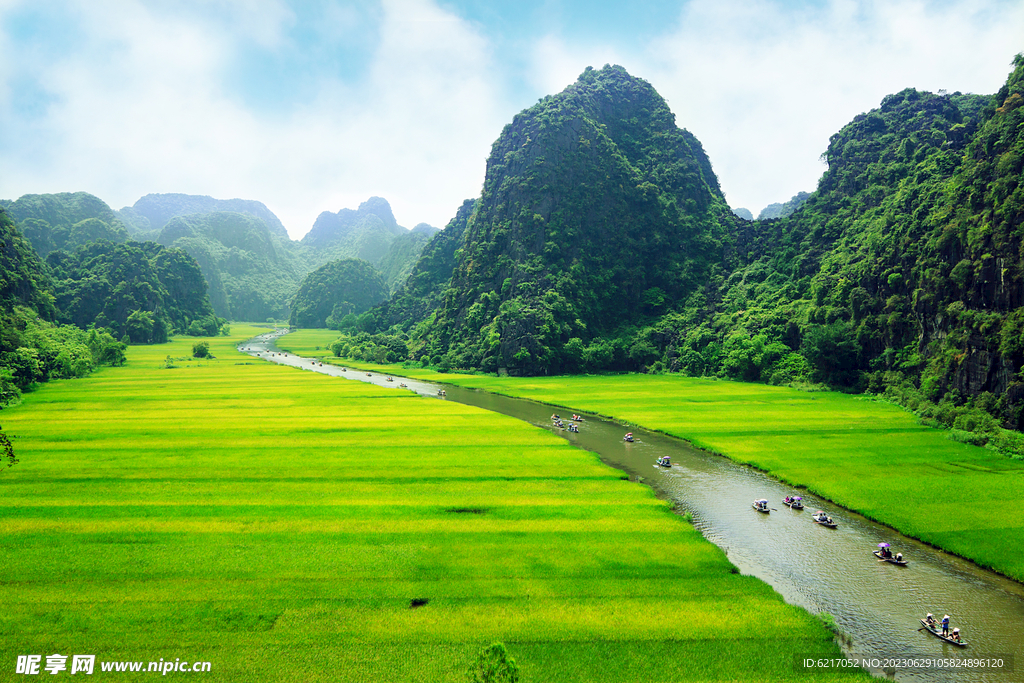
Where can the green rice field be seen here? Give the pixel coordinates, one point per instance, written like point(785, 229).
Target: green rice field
point(287, 526)
point(868, 456)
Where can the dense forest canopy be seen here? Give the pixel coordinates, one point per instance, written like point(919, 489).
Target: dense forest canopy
point(597, 213)
point(152, 212)
point(335, 291)
point(32, 348)
point(65, 221)
point(252, 273)
point(141, 290)
point(252, 267)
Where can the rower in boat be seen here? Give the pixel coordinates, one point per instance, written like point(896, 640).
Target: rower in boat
point(821, 518)
point(403, 385)
point(761, 506)
point(945, 625)
point(794, 502)
point(628, 437)
point(665, 461)
point(573, 428)
point(929, 624)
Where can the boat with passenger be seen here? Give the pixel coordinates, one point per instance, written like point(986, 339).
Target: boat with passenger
point(794, 502)
point(823, 519)
point(761, 506)
point(885, 553)
point(952, 639)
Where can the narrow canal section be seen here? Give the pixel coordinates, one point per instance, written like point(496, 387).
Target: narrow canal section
point(876, 605)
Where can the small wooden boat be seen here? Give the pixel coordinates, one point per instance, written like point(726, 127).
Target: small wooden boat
point(761, 506)
point(665, 461)
point(794, 502)
point(628, 438)
point(891, 559)
point(824, 520)
point(937, 632)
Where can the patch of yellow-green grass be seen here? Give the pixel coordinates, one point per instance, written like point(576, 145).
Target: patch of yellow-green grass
point(280, 525)
point(865, 455)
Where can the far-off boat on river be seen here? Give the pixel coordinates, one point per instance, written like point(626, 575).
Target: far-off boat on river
point(794, 502)
point(761, 506)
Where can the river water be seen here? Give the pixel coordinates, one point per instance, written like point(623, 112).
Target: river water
point(876, 605)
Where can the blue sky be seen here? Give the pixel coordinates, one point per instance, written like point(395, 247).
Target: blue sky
point(313, 106)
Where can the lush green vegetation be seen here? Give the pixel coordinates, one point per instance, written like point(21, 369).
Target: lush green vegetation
point(65, 221)
point(784, 209)
point(601, 242)
point(336, 291)
point(865, 454)
point(32, 348)
point(252, 272)
point(139, 290)
point(281, 525)
point(147, 217)
point(597, 212)
point(421, 293)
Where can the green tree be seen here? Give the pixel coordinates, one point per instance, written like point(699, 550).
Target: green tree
point(493, 665)
point(201, 350)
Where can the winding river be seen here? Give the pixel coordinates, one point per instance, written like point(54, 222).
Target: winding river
point(875, 604)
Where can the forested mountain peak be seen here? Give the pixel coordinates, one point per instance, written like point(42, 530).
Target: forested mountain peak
point(597, 212)
point(334, 227)
point(65, 220)
point(154, 211)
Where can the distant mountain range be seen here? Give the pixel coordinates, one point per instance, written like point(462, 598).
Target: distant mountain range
point(251, 266)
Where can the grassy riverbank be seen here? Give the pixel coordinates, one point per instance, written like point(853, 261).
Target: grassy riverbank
point(279, 524)
point(865, 455)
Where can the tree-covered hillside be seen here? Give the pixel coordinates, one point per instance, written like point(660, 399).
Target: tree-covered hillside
point(597, 213)
point(32, 348)
point(783, 209)
point(152, 212)
point(65, 220)
point(369, 233)
point(140, 289)
point(252, 273)
point(338, 289)
point(601, 242)
point(403, 254)
point(421, 292)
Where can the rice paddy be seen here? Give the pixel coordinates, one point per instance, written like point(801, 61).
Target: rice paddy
point(286, 526)
point(866, 455)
